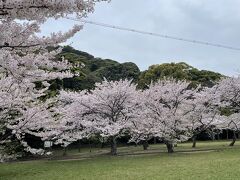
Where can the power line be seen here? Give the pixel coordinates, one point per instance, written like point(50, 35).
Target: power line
point(155, 34)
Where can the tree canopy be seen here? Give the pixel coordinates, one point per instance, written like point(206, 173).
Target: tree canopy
point(179, 71)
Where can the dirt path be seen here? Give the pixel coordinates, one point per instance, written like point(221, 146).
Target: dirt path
point(88, 157)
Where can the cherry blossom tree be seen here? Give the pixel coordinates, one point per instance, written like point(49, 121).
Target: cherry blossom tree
point(229, 90)
point(167, 104)
point(232, 122)
point(206, 113)
point(72, 124)
point(27, 65)
point(143, 123)
point(25, 71)
point(42, 9)
point(113, 105)
point(105, 111)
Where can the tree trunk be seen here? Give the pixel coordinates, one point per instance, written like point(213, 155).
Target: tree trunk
point(170, 147)
point(102, 145)
point(234, 139)
point(212, 136)
point(227, 134)
point(64, 151)
point(79, 146)
point(90, 147)
point(145, 145)
point(113, 146)
point(155, 140)
point(194, 140)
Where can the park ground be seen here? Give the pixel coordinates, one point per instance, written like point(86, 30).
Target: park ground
point(209, 161)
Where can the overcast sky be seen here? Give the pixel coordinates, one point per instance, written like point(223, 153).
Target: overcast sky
point(215, 21)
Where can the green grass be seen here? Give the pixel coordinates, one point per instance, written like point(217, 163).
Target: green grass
point(221, 164)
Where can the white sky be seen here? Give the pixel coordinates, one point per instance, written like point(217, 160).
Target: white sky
point(216, 21)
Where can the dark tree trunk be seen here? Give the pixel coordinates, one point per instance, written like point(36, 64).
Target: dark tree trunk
point(79, 146)
point(194, 140)
point(170, 147)
point(113, 146)
point(145, 145)
point(213, 136)
point(64, 151)
point(227, 134)
point(102, 145)
point(234, 139)
point(90, 147)
point(155, 140)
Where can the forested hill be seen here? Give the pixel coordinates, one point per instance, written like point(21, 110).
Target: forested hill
point(95, 69)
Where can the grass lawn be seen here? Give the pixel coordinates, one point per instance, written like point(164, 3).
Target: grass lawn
point(221, 164)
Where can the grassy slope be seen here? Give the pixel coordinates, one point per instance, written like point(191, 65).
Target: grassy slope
point(224, 164)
